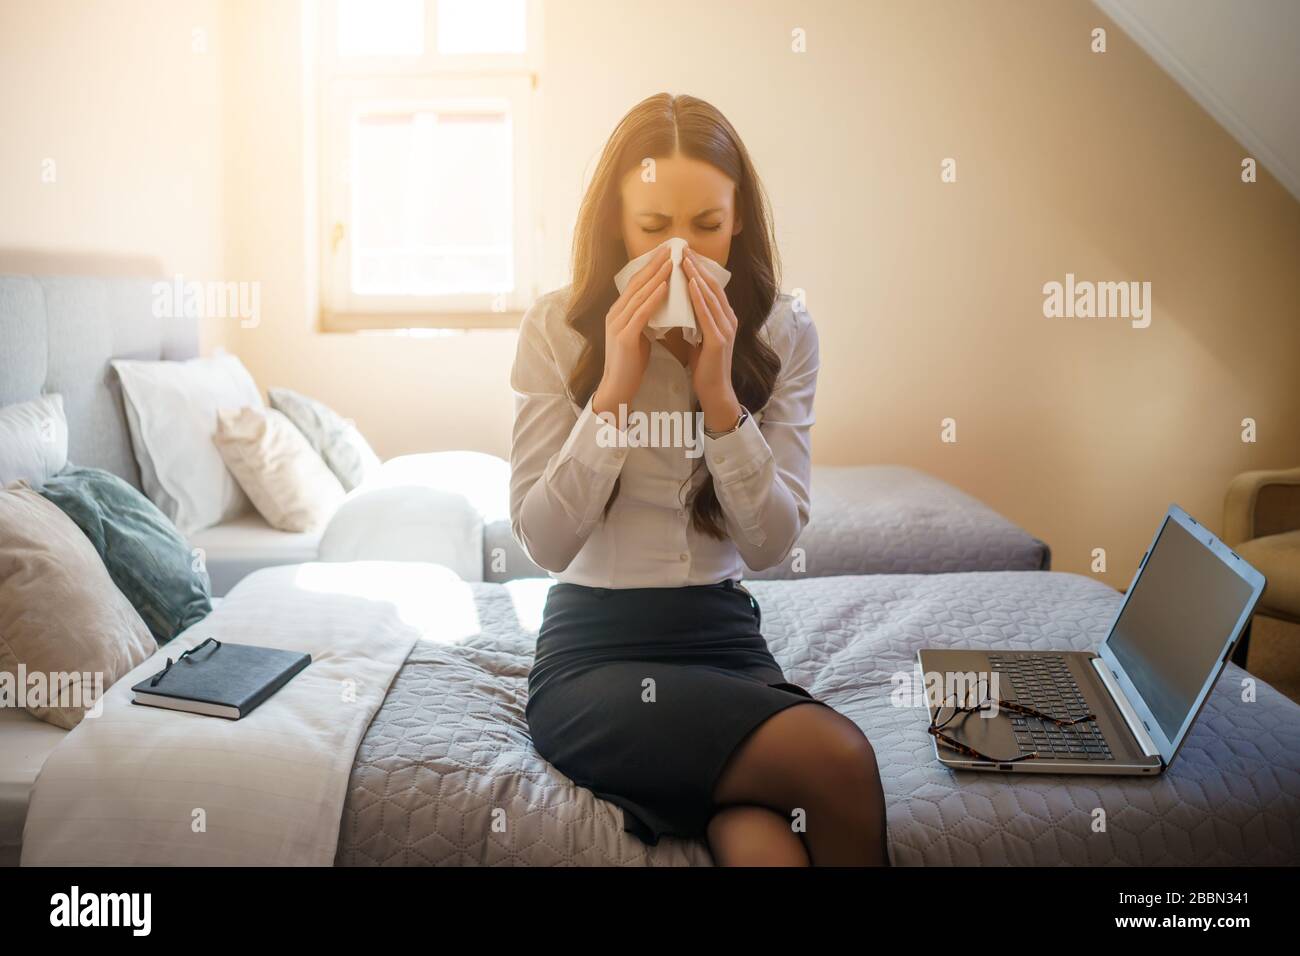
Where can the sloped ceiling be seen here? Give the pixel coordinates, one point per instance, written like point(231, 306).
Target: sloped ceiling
point(1240, 59)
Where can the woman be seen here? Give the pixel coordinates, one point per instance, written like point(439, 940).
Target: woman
point(652, 684)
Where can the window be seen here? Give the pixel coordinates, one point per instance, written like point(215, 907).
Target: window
point(428, 131)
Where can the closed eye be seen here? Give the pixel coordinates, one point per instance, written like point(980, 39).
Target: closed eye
point(705, 228)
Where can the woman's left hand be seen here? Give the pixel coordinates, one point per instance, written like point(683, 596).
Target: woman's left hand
point(710, 361)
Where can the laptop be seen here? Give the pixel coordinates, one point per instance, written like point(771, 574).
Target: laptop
point(1180, 620)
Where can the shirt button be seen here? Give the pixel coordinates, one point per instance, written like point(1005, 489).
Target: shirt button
point(681, 513)
point(677, 388)
point(684, 556)
point(721, 459)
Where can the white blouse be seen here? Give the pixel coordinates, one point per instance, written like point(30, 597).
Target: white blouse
point(563, 465)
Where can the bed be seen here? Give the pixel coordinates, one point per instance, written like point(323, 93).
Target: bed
point(433, 765)
point(866, 519)
point(235, 549)
point(451, 732)
point(444, 772)
point(25, 743)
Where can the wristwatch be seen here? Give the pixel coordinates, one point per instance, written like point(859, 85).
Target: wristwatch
point(744, 413)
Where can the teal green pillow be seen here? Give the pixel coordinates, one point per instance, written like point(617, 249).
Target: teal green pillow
point(147, 558)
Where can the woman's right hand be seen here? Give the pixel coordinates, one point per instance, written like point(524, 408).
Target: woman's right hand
point(627, 350)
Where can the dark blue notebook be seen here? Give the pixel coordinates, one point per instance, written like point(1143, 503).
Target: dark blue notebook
point(220, 679)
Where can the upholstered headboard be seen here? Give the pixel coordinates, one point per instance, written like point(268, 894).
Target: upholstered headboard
point(58, 334)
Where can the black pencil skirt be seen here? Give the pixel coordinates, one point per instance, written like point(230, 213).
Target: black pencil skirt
point(641, 694)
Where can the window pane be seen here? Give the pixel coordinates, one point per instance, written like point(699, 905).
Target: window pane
point(482, 26)
point(381, 27)
point(433, 201)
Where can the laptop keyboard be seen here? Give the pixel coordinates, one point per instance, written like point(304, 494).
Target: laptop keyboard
point(1044, 682)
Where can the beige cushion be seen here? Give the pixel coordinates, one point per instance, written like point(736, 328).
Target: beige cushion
point(1277, 557)
point(288, 483)
point(61, 617)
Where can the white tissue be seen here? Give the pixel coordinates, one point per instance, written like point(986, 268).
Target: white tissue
point(677, 311)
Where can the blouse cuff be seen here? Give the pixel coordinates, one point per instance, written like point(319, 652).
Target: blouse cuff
point(599, 445)
point(736, 455)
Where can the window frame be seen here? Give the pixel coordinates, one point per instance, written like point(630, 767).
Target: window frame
point(343, 84)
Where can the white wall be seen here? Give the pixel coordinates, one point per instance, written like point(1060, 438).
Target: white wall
point(1239, 60)
point(928, 296)
point(125, 102)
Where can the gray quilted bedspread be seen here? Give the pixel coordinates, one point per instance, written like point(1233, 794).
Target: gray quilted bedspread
point(866, 519)
point(446, 774)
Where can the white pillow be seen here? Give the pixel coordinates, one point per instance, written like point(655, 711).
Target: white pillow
point(407, 523)
point(289, 484)
point(33, 440)
point(171, 408)
point(483, 479)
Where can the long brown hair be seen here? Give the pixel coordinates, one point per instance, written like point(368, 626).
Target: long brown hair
point(658, 127)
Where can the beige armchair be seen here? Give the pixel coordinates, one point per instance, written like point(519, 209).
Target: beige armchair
point(1261, 522)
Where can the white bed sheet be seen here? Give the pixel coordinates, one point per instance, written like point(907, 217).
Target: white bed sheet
point(130, 786)
point(25, 742)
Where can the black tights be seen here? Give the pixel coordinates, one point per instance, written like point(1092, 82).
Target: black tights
point(808, 765)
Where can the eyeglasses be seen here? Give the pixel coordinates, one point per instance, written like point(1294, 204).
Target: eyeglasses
point(163, 673)
point(947, 713)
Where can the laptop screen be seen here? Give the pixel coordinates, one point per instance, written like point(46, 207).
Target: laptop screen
point(1176, 622)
